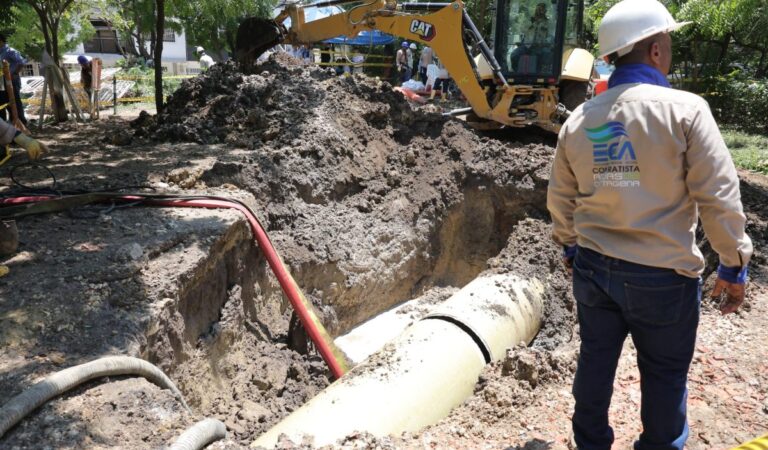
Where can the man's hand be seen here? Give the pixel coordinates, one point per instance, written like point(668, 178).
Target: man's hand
point(734, 295)
point(34, 148)
point(568, 263)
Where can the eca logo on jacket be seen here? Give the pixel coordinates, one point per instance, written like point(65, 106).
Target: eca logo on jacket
point(615, 163)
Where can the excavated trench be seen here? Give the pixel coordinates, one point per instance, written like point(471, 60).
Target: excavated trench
point(370, 203)
point(227, 340)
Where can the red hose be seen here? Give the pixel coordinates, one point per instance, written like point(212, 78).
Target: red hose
point(301, 305)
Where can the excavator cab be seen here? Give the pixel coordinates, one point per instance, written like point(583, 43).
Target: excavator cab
point(538, 43)
point(532, 36)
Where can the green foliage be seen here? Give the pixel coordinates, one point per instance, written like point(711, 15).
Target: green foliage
point(740, 103)
point(27, 37)
point(6, 16)
point(213, 23)
point(145, 81)
point(749, 151)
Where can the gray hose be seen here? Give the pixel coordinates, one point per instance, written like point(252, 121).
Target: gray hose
point(58, 383)
point(200, 434)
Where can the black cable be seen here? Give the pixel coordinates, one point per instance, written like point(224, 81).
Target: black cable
point(31, 164)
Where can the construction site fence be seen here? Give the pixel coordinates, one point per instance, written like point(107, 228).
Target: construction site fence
point(128, 90)
point(115, 91)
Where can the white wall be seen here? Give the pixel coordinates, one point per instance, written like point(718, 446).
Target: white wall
point(172, 52)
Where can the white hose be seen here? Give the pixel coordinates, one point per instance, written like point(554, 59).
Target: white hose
point(58, 383)
point(200, 434)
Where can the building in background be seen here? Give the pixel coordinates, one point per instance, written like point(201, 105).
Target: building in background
point(105, 44)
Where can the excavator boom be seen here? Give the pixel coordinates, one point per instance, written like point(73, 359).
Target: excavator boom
point(445, 27)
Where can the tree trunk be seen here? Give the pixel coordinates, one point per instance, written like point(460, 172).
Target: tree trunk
point(51, 47)
point(724, 50)
point(761, 66)
point(159, 31)
point(152, 43)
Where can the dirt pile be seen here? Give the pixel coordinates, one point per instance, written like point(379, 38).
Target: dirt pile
point(282, 102)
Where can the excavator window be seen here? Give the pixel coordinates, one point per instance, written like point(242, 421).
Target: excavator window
point(527, 44)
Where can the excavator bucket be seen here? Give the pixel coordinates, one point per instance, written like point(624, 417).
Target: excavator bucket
point(254, 37)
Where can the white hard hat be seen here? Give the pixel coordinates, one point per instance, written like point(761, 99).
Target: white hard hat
point(199, 49)
point(630, 21)
point(413, 46)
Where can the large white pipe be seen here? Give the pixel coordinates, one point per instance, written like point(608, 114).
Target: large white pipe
point(427, 371)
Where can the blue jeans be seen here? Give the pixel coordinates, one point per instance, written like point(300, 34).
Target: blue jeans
point(660, 309)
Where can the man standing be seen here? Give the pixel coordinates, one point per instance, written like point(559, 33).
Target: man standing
point(410, 54)
point(86, 74)
point(205, 60)
point(402, 62)
point(425, 60)
point(16, 63)
point(634, 169)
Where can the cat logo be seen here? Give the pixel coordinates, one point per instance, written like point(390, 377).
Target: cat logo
point(426, 31)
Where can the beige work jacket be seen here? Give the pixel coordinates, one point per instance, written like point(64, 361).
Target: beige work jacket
point(634, 169)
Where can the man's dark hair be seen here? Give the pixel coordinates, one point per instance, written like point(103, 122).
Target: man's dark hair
point(3, 37)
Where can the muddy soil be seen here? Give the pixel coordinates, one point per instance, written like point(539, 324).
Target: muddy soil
point(370, 202)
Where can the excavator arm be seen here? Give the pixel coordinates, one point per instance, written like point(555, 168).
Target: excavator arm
point(442, 30)
point(442, 26)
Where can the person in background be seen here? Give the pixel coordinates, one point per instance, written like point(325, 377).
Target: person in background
point(442, 82)
point(205, 61)
point(425, 59)
point(401, 62)
point(410, 54)
point(16, 62)
point(86, 74)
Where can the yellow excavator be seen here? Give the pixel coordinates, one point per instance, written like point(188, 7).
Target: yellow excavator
point(532, 72)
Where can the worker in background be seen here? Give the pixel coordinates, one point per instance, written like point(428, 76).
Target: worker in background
point(205, 61)
point(410, 54)
point(16, 62)
point(634, 170)
point(9, 235)
point(442, 82)
point(401, 61)
point(86, 74)
point(425, 59)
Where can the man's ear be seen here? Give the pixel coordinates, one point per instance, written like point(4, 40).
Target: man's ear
point(654, 52)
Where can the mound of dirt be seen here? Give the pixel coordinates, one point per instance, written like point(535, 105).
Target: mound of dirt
point(281, 103)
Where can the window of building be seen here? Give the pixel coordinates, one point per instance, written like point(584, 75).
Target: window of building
point(169, 36)
point(105, 40)
point(27, 71)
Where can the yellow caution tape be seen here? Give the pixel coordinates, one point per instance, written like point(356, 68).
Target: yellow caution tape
point(135, 99)
point(760, 443)
point(355, 64)
point(142, 77)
